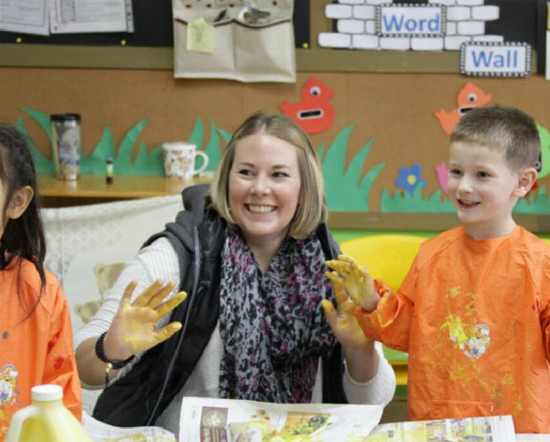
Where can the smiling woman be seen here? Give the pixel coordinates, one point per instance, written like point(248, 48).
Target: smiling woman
point(250, 254)
point(264, 187)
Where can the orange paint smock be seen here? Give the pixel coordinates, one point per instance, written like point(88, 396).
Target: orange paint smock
point(36, 350)
point(474, 316)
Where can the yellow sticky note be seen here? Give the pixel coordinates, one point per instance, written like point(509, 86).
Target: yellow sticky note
point(200, 36)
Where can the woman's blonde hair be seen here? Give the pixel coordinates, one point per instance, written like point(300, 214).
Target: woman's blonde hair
point(311, 210)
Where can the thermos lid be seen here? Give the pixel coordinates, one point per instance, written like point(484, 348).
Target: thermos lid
point(65, 117)
point(46, 393)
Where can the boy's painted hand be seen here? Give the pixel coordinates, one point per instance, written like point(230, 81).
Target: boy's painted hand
point(343, 322)
point(356, 280)
point(134, 327)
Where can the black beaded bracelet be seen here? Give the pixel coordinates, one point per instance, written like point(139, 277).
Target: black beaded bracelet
point(100, 353)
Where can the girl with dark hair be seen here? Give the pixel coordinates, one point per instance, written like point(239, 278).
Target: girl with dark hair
point(35, 331)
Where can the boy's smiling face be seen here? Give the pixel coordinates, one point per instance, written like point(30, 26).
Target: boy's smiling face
point(484, 189)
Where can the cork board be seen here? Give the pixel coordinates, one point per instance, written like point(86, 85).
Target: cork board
point(394, 112)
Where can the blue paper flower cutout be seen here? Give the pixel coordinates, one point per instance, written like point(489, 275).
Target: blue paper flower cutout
point(410, 178)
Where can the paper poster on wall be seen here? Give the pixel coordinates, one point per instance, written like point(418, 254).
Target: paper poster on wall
point(481, 59)
point(24, 16)
point(82, 16)
point(314, 113)
point(396, 20)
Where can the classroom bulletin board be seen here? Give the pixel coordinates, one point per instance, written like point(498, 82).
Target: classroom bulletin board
point(382, 148)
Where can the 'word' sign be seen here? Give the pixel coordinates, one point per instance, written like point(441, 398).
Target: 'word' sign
point(495, 59)
point(411, 20)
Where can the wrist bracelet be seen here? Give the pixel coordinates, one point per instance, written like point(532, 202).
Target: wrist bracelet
point(100, 353)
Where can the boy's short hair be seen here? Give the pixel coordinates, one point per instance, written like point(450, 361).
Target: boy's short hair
point(506, 129)
point(312, 209)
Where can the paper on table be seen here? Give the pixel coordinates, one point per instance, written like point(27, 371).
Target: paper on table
point(207, 420)
point(474, 429)
point(101, 432)
point(25, 16)
point(76, 16)
point(532, 437)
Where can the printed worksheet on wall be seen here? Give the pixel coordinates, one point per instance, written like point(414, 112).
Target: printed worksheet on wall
point(24, 16)
point(78, 16)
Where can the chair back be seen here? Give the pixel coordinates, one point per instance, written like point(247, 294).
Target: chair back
point(388, 256)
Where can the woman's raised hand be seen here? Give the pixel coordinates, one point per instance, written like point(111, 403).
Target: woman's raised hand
point(134, 327)
point(343, 322)
point(355, 279)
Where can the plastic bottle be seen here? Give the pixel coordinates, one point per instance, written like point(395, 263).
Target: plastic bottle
point(46, 420)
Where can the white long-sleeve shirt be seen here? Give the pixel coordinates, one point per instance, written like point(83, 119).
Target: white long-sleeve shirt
point(159, 261)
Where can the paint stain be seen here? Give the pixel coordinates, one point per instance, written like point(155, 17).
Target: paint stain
point(381, 305)
point(518, 408)
point(453, 292)
point(456, 329)
point(58, 363)
point(473, 341)
point(133, 334)
point(458, 372)
point(53, 341)
point(469, 309)
point(5, 335)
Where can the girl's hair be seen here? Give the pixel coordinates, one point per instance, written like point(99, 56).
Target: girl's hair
point(23, 237)
point(312, 209)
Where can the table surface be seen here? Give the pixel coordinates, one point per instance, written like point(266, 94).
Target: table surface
point(123, 186)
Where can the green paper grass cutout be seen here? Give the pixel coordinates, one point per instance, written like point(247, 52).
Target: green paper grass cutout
point(545, 151)
point(41, 163)
point(345, 190)
point(406, 203)
point(146, 163)
point(535, 204)
point(213, 149)
point(402, 202)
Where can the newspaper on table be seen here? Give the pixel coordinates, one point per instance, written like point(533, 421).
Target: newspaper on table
point(222, 420)
point(532, 437)
point(218, 420)
point(474, 429)
point(101, 432)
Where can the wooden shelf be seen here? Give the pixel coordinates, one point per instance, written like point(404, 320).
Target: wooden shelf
point(123, 187)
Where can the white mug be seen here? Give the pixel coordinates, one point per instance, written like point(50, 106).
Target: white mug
point(179, 159)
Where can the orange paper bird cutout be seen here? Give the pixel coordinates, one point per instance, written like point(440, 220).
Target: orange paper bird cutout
point(469, 97)
point(314, 113)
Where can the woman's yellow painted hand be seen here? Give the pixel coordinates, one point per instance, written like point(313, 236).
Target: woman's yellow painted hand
point(134, 328)
point(343, 322)
point(356, 280)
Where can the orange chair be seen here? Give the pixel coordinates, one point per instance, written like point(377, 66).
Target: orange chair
point(389, 258)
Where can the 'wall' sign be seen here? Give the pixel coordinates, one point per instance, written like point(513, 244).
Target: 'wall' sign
point(495, 59)
point(411, 20)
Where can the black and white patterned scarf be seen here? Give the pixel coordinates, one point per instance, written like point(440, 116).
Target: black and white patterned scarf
point(272, 325)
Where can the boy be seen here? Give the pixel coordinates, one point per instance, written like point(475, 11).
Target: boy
point(474, 310)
